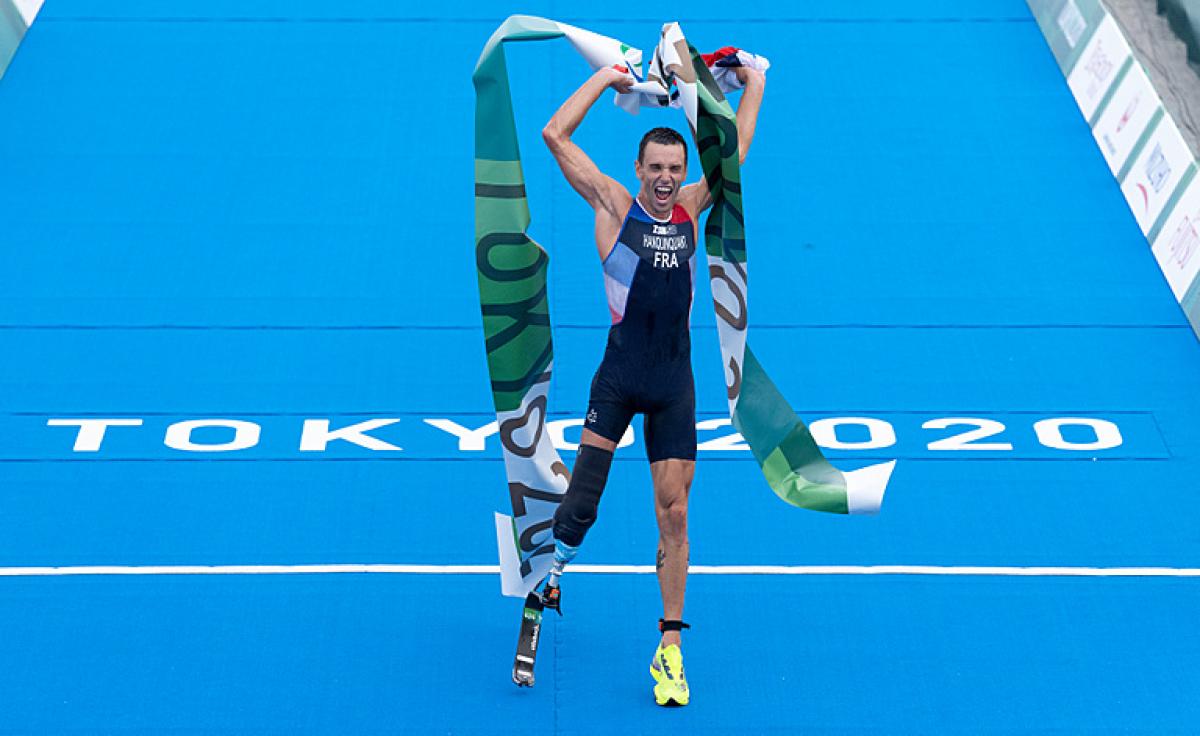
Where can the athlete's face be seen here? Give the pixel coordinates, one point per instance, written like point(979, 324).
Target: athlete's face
point(661, 171)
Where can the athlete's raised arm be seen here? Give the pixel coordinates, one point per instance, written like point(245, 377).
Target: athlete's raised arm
point(696, 196)
point(603, 193)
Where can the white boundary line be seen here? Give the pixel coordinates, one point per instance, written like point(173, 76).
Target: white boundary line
point(1094, 572)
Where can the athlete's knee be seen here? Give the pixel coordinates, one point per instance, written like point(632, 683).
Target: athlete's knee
point(672, 524)
point(578, 510)
point(672, 510)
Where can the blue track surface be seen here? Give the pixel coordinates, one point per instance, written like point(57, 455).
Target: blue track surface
point(249, 210)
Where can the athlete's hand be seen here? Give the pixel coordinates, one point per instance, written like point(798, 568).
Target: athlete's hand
point(620, 81)
point(745, 74)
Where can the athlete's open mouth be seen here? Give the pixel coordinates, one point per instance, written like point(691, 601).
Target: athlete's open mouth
point(662, 194)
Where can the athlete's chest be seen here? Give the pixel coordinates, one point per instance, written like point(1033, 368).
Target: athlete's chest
point(661, 245)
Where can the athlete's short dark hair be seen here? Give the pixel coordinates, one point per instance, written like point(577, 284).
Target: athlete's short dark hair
point(663, 136)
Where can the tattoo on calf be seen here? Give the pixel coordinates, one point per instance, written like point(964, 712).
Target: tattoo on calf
point(662, 557)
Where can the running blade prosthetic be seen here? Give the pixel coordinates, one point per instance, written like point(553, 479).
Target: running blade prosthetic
point(531, 629)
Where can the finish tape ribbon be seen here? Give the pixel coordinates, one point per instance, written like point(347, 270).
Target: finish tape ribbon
point(512, 272)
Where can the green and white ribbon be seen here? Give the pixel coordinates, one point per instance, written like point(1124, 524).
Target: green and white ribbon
point(516, 313)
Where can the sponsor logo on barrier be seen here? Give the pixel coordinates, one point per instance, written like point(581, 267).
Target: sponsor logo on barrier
point(1177, 246)
point(1130, 109)
point(1098, 67)
point(1158, 169)
point(1099, 70)
point(1155, 173)
point(1182, 246)
point(1125, 118)
point(1071, 22)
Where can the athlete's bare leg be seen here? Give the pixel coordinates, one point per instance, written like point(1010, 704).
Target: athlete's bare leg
point(591, 438)
point(672, 482)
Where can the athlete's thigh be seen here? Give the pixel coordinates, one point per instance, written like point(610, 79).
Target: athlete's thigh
point(670, 428)
point(609, 411)
point(672, 481)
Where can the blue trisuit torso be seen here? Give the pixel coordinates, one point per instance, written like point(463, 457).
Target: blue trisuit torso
point(650, 279)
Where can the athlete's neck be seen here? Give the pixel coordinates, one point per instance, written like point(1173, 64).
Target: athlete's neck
point(652, 213)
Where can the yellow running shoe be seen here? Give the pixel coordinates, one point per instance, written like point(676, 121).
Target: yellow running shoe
point(667, 670)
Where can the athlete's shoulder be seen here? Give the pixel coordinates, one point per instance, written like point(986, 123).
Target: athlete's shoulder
point(681, 214)
point(622, 202)
point(694, 198)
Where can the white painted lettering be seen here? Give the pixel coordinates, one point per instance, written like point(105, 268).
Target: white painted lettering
point(91, 431)
point(469, 440)
point(316, 435)
point(245, 435)
point(881, 433)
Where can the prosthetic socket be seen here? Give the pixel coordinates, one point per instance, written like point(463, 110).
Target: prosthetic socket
point(579, 507)
point(577, 512)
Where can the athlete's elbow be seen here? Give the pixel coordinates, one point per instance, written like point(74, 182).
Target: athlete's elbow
point(553, 137)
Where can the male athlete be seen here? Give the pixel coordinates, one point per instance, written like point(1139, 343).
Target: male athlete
point(647, 245)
